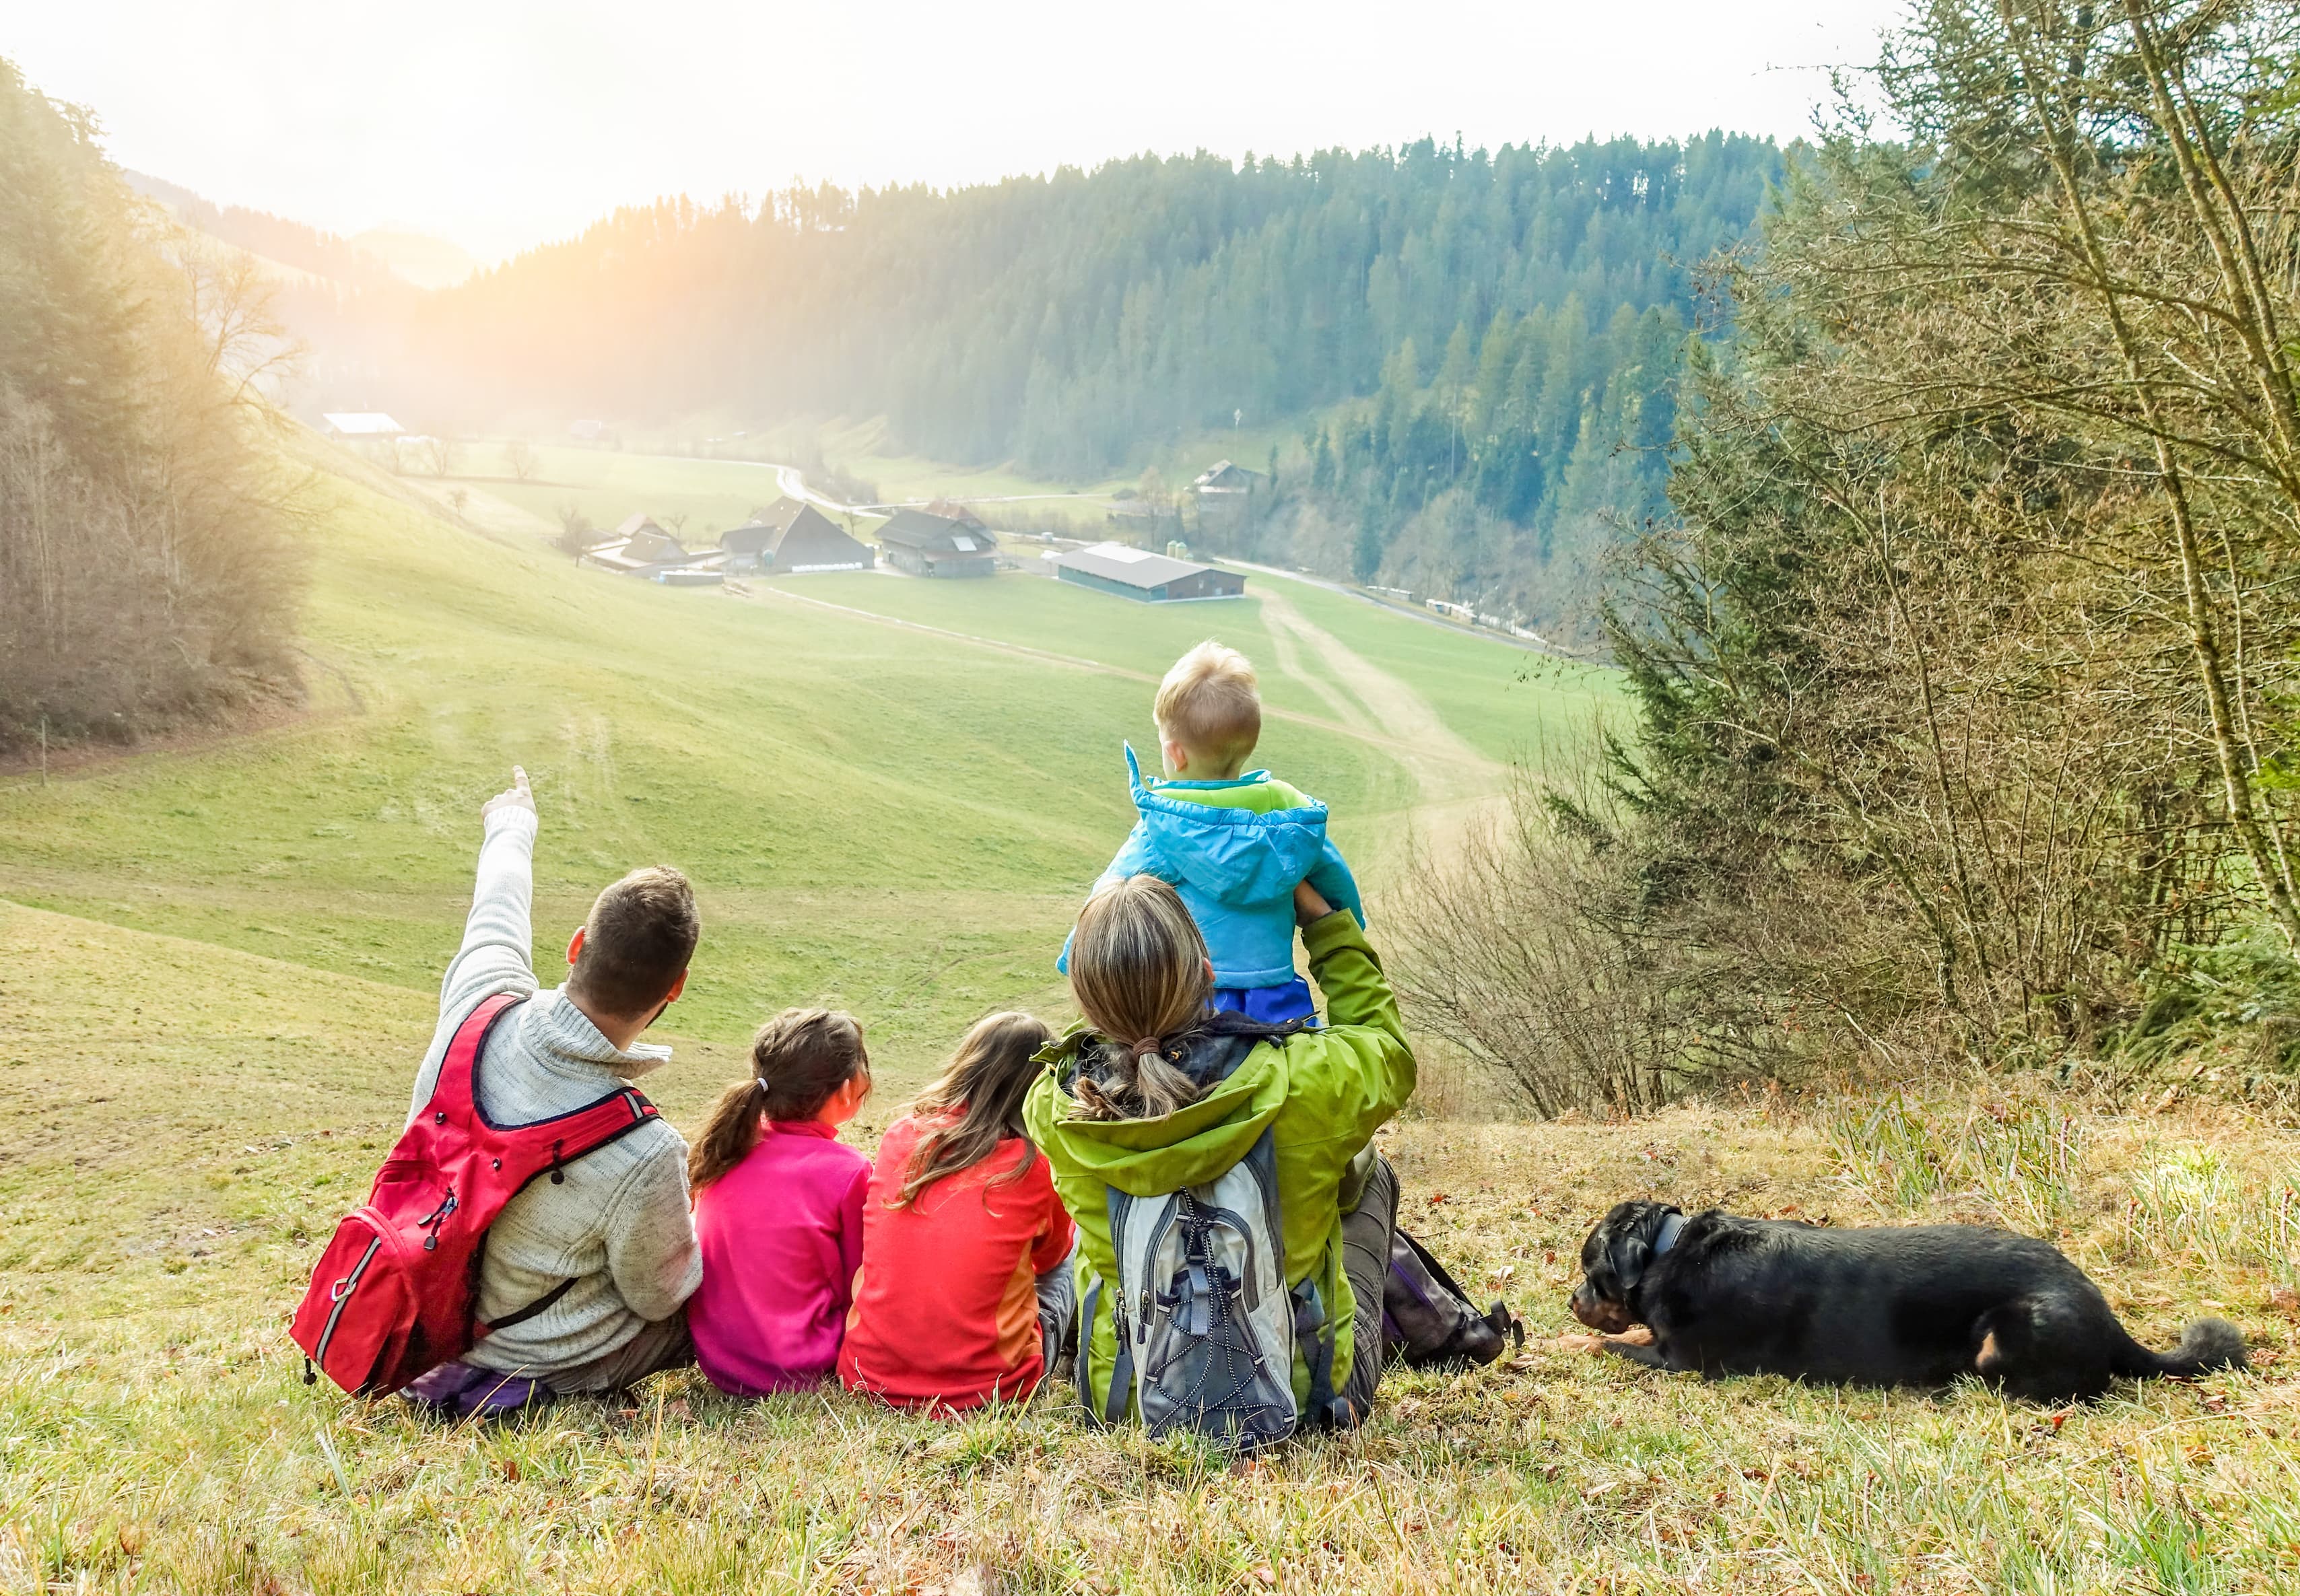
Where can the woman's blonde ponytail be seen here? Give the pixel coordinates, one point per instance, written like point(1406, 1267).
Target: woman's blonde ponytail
point(1138, 970)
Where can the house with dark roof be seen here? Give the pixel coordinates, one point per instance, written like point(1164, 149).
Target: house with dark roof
point(939, 545)
point(791, 537)
point(1223, 479)
point(1129, 572)
point(640, 548)
point(1226, 494)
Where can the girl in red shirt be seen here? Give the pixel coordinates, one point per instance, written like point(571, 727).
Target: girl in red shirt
point(965, 1292)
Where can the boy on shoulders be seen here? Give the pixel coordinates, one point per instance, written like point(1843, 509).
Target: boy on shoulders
point(1234, 843)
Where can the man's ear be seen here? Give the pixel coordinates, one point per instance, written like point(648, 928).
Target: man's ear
point(677, 986)
point(575, 946)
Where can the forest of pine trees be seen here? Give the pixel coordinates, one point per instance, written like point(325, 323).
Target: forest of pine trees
point(1479, 344)
point(146, 570)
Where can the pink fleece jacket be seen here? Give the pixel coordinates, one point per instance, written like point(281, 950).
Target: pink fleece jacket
point(781, 1235)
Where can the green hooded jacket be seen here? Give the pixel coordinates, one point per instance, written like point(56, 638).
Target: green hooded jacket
point(1320, 1094)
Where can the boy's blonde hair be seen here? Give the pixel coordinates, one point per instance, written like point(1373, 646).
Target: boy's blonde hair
point(1210, 705)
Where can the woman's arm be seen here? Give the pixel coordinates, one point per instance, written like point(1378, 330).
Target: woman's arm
point(1364, 1023)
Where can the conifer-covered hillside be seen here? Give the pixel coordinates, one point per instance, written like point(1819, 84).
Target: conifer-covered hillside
point(1496, 326)
point(147, 573)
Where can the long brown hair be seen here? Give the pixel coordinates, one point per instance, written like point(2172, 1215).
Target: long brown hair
point(976, 1103)
point(798, 1059)
point(1138, 971)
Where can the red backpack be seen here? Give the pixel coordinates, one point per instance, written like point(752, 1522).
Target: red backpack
point(393, 1295)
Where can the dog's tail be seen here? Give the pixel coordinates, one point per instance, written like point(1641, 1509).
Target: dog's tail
point(2206, 1345)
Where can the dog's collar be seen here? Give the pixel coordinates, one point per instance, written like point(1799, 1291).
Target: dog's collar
point(1671, 1225)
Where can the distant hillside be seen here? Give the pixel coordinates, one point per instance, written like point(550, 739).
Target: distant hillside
point(417, 258)
point(376, 258)
point(1481, 346)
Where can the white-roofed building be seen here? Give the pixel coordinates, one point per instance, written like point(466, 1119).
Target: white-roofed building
point(1138, 574)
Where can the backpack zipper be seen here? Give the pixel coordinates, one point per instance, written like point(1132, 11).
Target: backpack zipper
point(1150, 1256)
point(1250, 1287)
point(342, 1293)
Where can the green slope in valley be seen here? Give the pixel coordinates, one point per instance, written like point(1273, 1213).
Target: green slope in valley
point(875, 815)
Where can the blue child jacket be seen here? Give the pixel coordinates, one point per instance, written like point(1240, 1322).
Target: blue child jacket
point(1236, 871)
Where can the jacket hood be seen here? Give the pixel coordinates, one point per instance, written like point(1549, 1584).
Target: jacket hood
point(1146, 1157)
point(1233, 855)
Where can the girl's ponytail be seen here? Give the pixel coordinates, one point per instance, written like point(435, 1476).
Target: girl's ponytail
point(728, 1134)
point(798, 1059)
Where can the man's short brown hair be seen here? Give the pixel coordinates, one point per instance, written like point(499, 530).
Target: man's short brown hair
point(1209, 703)
point(636, 944)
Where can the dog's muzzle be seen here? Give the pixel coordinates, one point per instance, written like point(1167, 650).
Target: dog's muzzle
point(1604, 1316)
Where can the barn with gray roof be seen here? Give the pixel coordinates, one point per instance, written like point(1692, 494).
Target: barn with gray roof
point(1138, 574)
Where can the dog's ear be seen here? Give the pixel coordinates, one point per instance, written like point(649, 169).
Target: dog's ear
point(1632, 1248)
point(1627, 1259)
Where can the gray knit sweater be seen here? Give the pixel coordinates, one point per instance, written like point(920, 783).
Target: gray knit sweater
point(619, 1226)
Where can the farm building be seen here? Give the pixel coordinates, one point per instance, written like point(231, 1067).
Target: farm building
point(791, 537)
point(1224, 480)
point(939, 545)
point(361, 426)
point(1139, 574)
point(1225, 494)
point(640, 548)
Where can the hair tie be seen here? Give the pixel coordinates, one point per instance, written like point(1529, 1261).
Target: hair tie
point(762, 1082)
point(1147, 1045)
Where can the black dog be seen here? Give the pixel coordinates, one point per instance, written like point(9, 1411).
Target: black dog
point(1918, 1305)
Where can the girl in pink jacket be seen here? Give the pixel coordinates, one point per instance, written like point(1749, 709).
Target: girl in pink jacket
point(778, 1208)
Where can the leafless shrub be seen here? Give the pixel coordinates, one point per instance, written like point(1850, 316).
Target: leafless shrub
point(434, 456)
point(1522, 943)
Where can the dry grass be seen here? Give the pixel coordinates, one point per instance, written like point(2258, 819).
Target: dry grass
point(161, 1184)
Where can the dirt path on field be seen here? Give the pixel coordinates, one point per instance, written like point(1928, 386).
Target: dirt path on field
point(1461, 788)
point(1369, 698)
point(1458, 787)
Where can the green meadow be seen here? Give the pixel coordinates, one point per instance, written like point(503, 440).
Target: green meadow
point(887, 817)
point(217, 968)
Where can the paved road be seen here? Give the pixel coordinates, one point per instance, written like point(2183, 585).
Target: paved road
point(792, 481)
point(1538, 646)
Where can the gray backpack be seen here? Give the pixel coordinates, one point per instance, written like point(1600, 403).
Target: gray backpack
point(1206, 1327)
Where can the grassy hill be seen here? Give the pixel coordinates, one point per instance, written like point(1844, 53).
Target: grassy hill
point(216, 965)
point(877, 816)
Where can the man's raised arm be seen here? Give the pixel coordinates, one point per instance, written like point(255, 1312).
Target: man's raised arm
point(498, 935)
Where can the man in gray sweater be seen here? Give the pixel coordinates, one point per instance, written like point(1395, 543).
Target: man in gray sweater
point(616, 1232)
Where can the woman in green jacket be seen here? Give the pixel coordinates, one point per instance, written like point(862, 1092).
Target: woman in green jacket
point(1152, 1094)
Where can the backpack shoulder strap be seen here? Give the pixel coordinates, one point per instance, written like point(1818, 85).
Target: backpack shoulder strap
point(458, 1082)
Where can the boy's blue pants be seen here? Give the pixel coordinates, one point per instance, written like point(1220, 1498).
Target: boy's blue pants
point(1267, 1005)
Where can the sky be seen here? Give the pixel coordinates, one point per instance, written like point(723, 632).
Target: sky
point(505, 123)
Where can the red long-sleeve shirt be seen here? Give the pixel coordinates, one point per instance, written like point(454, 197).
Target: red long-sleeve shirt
point(946, 1312)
